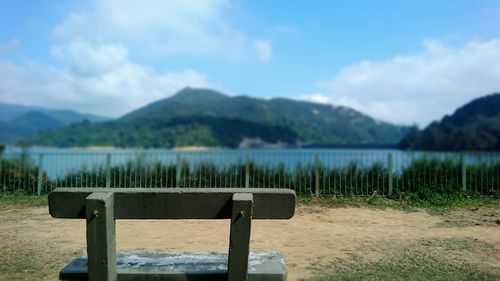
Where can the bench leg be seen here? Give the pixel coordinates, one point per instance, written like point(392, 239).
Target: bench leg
point(101, 245)
point(239, 239)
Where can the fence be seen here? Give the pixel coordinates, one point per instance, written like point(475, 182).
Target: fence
point(317, 172)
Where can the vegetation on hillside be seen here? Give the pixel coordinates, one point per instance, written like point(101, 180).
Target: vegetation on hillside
point(178, 131)
point(12, 111)
point(207, 118)
point(474, 126)
point(27, 125)
point(19, 122)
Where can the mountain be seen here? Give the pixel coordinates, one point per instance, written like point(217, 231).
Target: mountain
point(474, 126)
point(18, 122)
point(27, 125)
point(186, 97)
point(209, 118)
point(8, 112)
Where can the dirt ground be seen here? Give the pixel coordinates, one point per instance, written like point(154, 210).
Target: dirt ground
point(31, 242)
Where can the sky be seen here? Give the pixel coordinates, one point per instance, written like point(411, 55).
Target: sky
point(405, 62)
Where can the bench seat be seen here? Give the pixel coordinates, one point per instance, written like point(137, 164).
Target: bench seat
point(181, 265)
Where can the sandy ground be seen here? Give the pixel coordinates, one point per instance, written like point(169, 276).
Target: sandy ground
point(313, 236)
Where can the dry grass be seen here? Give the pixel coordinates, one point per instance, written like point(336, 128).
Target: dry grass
point(431, 259)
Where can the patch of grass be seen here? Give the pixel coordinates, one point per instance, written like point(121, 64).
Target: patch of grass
point(19, 265)
point(28, 260)
point(21, 198)
point(354, 201)
point(471, 216)
point(437, 205)
point(436, 259)
point(437, 202)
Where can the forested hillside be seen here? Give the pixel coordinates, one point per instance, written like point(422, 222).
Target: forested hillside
point(474, 126)
point(209, 118)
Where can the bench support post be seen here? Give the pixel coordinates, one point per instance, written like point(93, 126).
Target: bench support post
point(239, 239)
point(101, 245)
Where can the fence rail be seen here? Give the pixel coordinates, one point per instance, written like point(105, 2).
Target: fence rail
point(317, 172)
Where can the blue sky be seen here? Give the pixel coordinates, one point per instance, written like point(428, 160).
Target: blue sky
point(399, 61)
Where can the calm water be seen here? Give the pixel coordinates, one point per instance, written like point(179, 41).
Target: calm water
point(59, 161)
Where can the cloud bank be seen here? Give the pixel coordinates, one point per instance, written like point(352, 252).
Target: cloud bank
point(98, 78)
point(92, 46)
point(163, 28)
point(419, 87)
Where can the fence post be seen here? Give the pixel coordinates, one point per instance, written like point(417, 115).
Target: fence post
point(40, 175)
point(247, 171)
point(389, 172)
point(108, 170)
point(464, 173)
point(316, 173)
point(178, 169)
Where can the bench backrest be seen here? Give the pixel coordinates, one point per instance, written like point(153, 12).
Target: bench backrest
point(102, 206)
point(174, 203)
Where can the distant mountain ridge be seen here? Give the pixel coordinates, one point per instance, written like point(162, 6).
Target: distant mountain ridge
point(18, 121)
point(474, 126)
point(206, 117)
point(9, 112)
point(186, 96)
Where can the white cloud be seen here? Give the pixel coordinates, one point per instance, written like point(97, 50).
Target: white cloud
point(10, 45)
point(100, 79)
point(87, 60)
point(315, 97)
point(264, 50)
point(159, 28)
point(93, 46)
point(420, 87)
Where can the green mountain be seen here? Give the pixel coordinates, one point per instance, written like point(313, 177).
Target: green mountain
point(9, 112)
point(18, 122)
point(209, 118)
point(474, 126)
point(27, 125)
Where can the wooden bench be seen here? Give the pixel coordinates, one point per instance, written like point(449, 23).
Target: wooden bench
point(101, 207)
